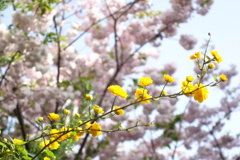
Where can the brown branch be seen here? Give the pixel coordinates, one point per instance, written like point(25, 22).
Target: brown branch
point(179, 130)
point(77, 157)
point(58, 60)
point(30, 121)
point(123, 63)
point(218, 145)
point(18, 113)
point(118, 69)
point(115, 35)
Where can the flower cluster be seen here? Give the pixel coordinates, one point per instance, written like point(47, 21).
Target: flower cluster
point(142, 95)
point(199, 91)
point(94, 129)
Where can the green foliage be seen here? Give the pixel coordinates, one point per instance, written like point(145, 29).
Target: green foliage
point(39, 6)
point(4, 4)
point(11, 57)
point(169, 128)
point(50, 37)
point(149, 14)
point(205, 3)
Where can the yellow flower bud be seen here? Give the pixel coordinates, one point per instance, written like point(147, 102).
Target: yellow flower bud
point(77, 115)
point(40, 119)
point(54, 117)
point(89, 97)
point(98, 109)
point(79, 122)
point(211, 66)
point(118, 112)
point(189, 78)
point(168, 78)
point(223, 78)
point(65, 111)
point(8, 152)
point(164, 93)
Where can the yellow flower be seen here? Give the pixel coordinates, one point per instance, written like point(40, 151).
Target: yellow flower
point(201, 94)
point(76, 138)
point(79, 122)
point(77, 115)
point(164, 93)
point(54, 117)
point(66, 111)
point(40, 119)
point(168, 78)
point(9, 152)
point(196, 55)
point(98, 109)
point(62, 134)
point(17, 141)
point(54, 133)
point(66, 133)
point(211, 66)
point(118, 112)
point(79, 134)
point(44, 143)
point(46, 158)
point(94, 129)
point(187, 88)
point(216, 56)
point(142, 94)
point(145, 81)
point(223, 78)
point(89, 97)
point(118, 91)
point(189, 78)
point(5, 140)
point(53, 144)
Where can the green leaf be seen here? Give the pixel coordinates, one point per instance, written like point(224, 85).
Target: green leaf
point(47, 128)
point(22, 150)
point(37, 122)
point(60, 124)
point(167, 145)
point(63, 38)
point(50, 154)
point(215, 78)
point(207, 57)
point(26, 157)
point(2, 144)
point(135, 81)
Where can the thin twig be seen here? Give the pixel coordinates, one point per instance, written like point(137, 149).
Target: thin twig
point(8, 67)
point(94, 23)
